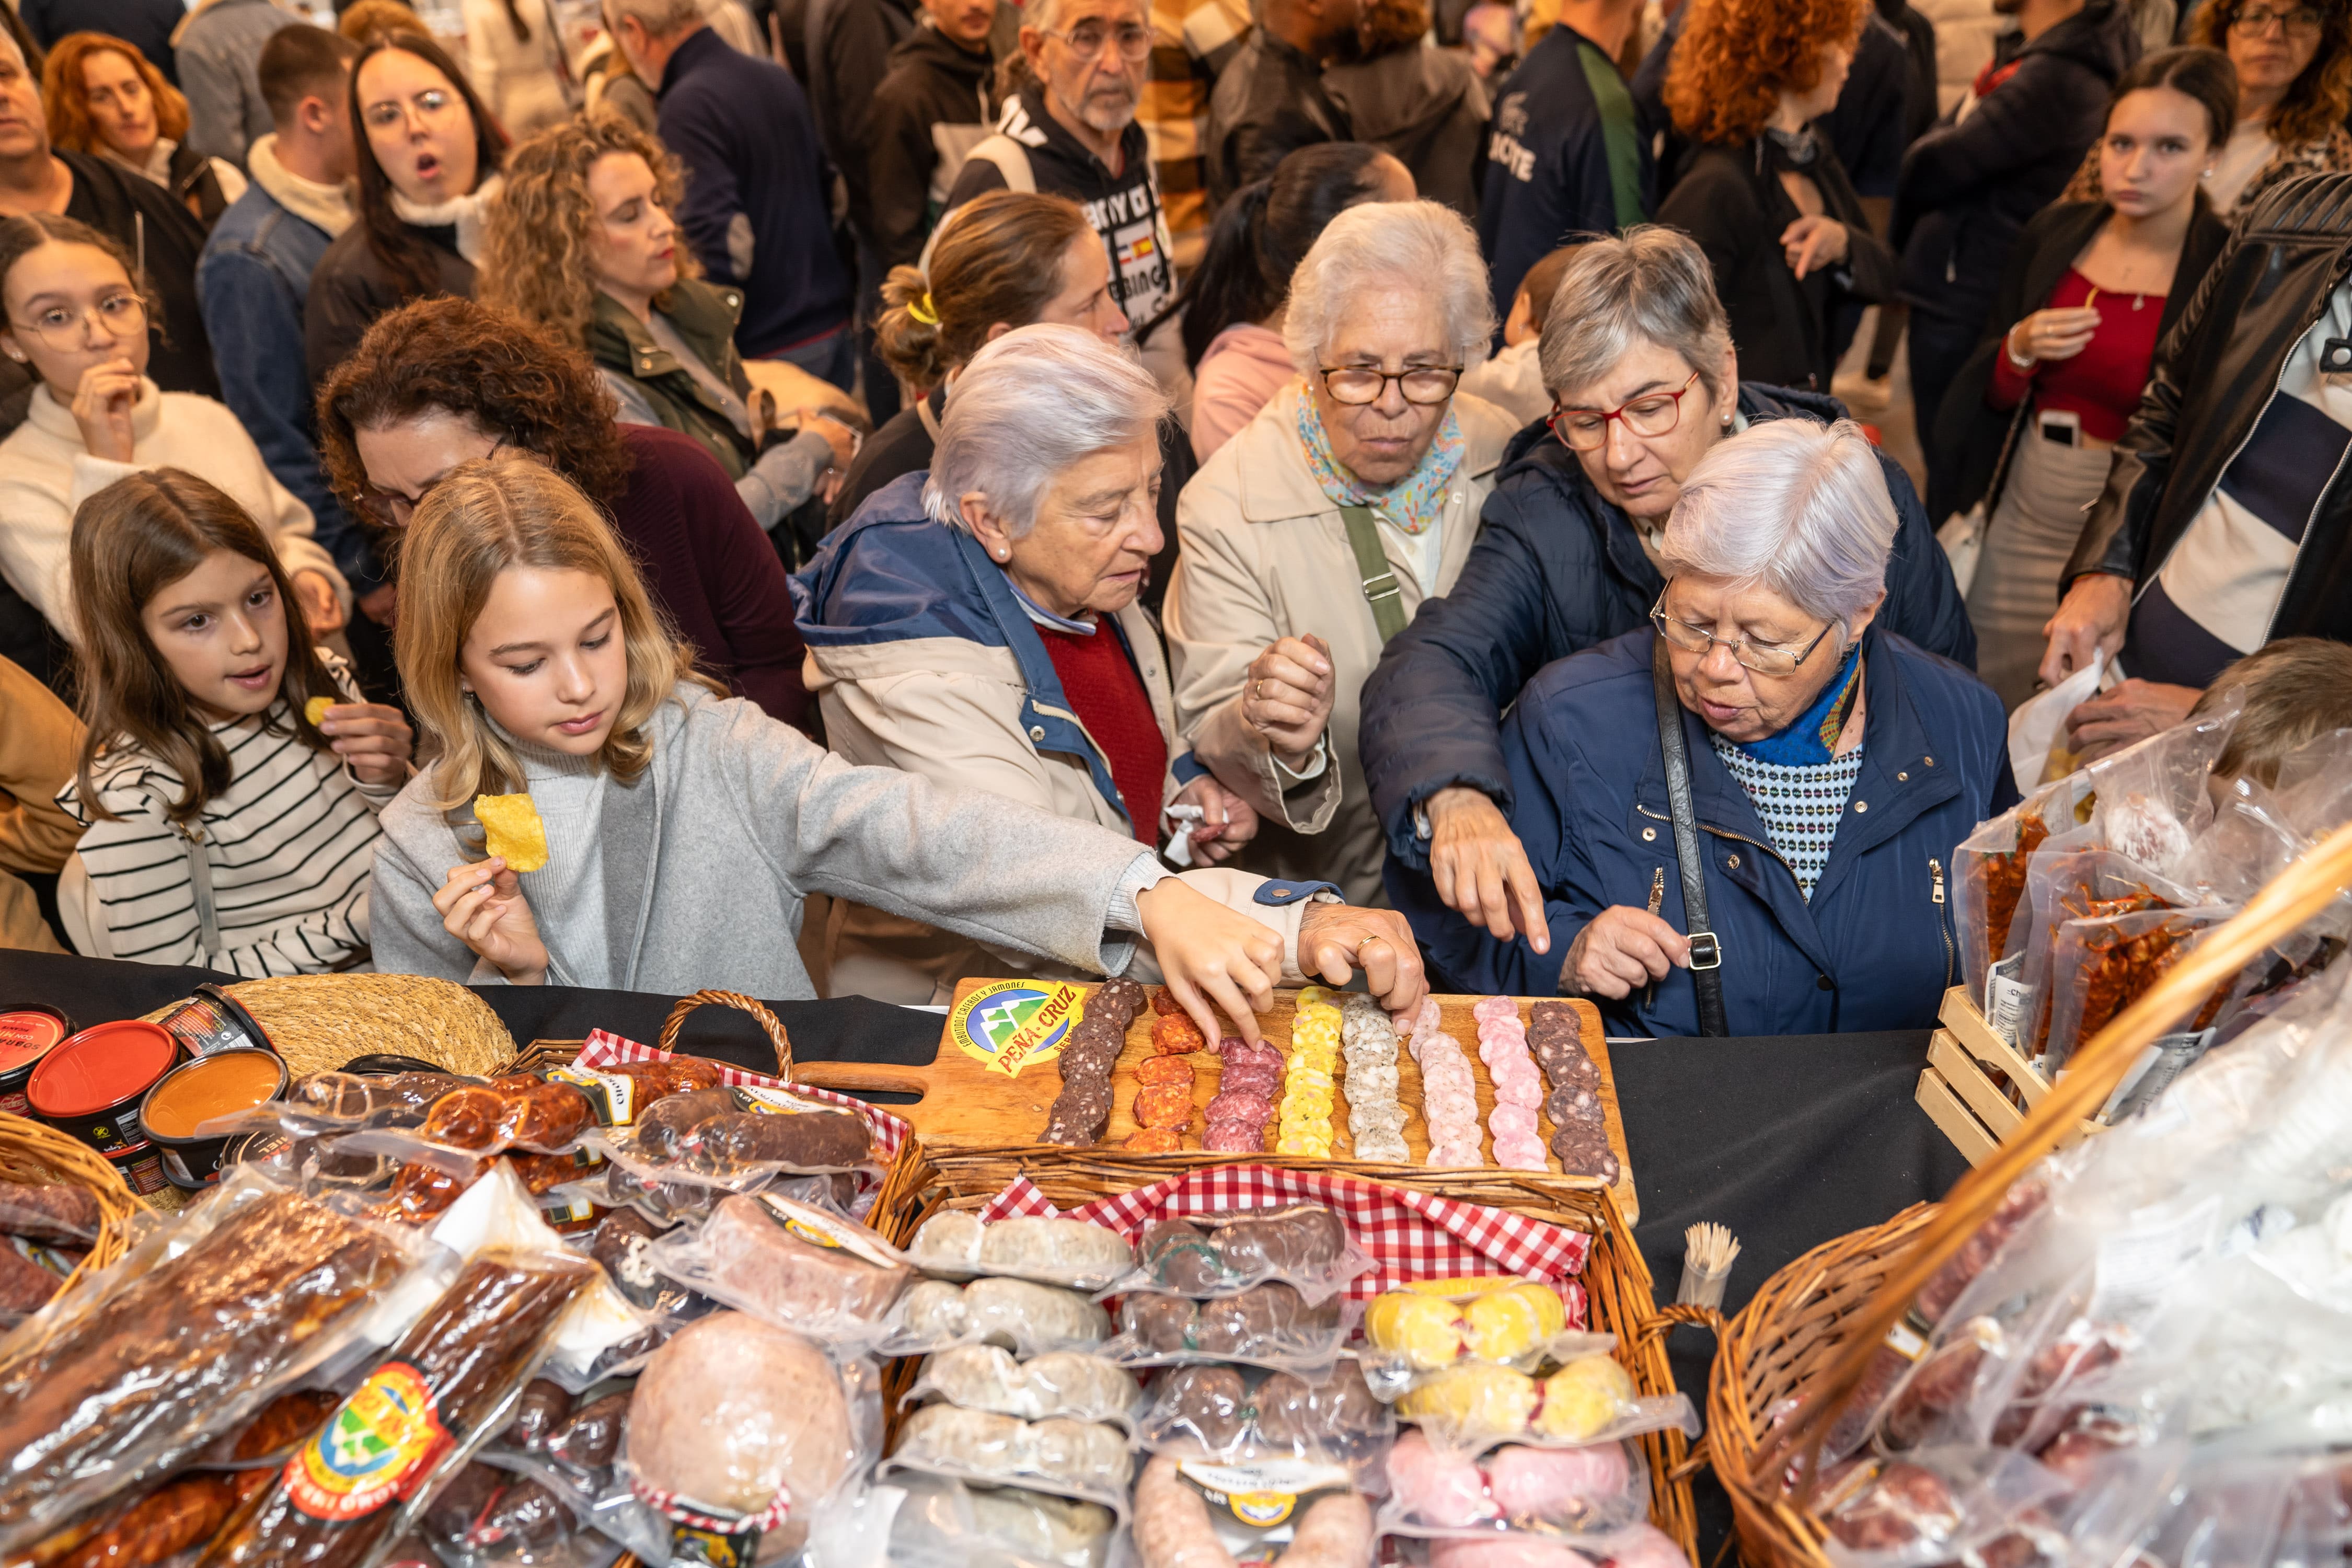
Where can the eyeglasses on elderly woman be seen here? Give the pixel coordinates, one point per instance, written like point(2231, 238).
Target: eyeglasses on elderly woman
point(1651, 413)
point(1763, 658)
point(1357, 386)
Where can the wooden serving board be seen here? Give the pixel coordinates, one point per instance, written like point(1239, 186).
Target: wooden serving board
point(968, 1104)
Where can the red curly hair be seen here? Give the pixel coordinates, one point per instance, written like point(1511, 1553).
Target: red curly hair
point(1736, 57)
point(67, 101)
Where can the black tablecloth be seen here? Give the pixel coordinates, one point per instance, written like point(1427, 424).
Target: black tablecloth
point(1789, 1141)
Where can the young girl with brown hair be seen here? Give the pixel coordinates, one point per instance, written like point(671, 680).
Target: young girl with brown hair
point(685, 829)
point(224, 824)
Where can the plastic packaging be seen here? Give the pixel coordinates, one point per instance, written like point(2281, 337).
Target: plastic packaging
point(742, 1434)
point(486, 1517)
point(1303, 1246)
point(211, 1317)
point(1081, 1459)
point(1071, 1384)
point(2101, 965)
point(1515, 1323)
point(1269, 1325)
point(794, 1265)
point(1637, 1546)
point(1435, 1491)
point(1025, 1318)
point(51, 1211)
point(953, 1244)
point(945, 1523)
point(1199, 1513)
point(1475, 1404)
point(1221, 1413)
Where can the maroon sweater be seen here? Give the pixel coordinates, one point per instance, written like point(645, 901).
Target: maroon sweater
point(711, 569)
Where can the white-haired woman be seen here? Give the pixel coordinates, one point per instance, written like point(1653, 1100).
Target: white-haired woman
point(1832, 766)
point(1313, 535)
point(977, 622)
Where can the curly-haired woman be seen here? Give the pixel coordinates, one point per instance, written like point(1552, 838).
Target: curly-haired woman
point(581, 241)
point(2294, 89)
point(437, 383)
point(1762, 193)
point(104, 99)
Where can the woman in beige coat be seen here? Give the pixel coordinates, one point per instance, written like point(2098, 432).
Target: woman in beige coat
point(1312, 536)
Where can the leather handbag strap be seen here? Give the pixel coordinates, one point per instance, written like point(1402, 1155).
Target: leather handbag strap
point(1380, 589)
point(1706, 948)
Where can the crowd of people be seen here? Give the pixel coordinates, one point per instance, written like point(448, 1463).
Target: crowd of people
point(913, 490)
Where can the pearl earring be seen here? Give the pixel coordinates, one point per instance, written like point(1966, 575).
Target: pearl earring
point(1726, 424)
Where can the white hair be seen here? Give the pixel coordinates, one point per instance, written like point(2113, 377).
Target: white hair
point(1028, 405)
point(1793, 507)
point(1421, 245)
point(659, 18)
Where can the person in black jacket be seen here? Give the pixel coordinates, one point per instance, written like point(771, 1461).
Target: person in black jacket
point(1763, 193)
point(428, 161)
point(1270, 101)
point(1639, 361)
point(2004, 154)
point(934, 107)
point(2090, 291)
point(2226, 522)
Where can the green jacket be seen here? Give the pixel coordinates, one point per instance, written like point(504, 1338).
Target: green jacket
point(704, 314)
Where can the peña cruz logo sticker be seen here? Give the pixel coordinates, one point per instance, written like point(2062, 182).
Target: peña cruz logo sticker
point(380, 1444)
point(1012, 1024)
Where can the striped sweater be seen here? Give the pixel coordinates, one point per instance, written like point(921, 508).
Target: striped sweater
point(291, 843)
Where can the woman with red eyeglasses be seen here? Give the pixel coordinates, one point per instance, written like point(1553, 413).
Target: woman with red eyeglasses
point(1638, 358)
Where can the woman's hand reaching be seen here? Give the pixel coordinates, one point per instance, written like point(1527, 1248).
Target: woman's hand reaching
point(1209, 955)
point(482, 906)
point(1337, 940)
point(1481, 870)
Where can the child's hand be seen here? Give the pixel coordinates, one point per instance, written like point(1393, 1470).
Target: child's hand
point(323, 612)
point(101, 407)
point(482, 906)
point(373, 738)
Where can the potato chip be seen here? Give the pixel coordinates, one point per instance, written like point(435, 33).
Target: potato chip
point(316, 710)
point(515, 833)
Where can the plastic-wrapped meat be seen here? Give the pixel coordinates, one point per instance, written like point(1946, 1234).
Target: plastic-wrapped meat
point(1268, 1319)
point(748, 1255)
point(664, 1124)
point(543, 1406)
point(1083, 1455)
point(804, 1141)
point(174, 1517)
point(49, 1211)
point(670, 1074)
point(1023, 1317)
point(25, 1286)
point(588, 1438)
point(1173, 1530)
point(1903, 1504)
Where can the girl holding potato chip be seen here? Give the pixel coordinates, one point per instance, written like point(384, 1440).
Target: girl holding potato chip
point(231, 774)
point(682, 829)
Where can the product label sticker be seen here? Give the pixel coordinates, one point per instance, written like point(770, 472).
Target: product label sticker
point(1009, 1024)
point(711, 1548)
point(2139, 1265)
point(774, 1102)
point(2006, 998)
point(2161, 1061)
point(1906, 1341)
point(378, 1446)
point(820, 1229)
point(614, 1095)
point(1266, 1495)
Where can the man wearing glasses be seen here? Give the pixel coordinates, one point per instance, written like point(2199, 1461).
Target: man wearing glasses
point(1270, 100)
point(1070, 131)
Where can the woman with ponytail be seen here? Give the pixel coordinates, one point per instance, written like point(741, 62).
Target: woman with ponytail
point(1233, 304)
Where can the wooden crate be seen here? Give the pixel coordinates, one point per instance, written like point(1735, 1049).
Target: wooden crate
point(1976, 1087)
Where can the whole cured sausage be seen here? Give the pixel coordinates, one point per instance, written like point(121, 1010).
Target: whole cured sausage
point(807, 1141)
point(1172, 1529)
point(49, 1211)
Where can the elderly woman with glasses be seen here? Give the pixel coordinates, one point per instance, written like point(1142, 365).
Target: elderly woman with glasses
point(1314, 534)
point(1638, 359)
point(977, 622)
point(1828, 768)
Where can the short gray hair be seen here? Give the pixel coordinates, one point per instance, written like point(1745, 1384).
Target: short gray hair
point(1653, 285)
point(1418, 244)
point(659, 18)
point(1794, 506)
point(1027, 407)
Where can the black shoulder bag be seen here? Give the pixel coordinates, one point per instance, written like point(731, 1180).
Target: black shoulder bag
point(1706, 950)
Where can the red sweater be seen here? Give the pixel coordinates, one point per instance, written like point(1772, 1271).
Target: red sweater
point(2102, 383)
point(1108, 696)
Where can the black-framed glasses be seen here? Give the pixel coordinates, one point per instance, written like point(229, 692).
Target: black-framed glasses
point(1651, 413)
point(65, 328)
point(2297, 22)
point(1763, 660)
point(1359, 384)
point(390, 509)
point(1132, 39)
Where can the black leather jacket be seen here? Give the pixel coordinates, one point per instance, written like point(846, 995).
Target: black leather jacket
point(2214, 376)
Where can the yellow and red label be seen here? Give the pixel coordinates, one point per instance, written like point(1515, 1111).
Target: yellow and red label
point(378, 1447)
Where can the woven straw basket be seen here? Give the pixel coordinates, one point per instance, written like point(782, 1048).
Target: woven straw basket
point(318, 1022)
point(1616, 1281)
point(33, 1152)
point(1814, 1328)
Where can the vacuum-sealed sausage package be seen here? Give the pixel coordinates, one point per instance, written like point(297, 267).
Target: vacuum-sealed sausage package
point(127, 1375)
point(793, 1264)
point(1071, 1384)
point(1269, 1325)
point(417, 1416)
point(49, 1211)
point(953, 1244)
point(946, 1523)
point(1231, 1413)
point(1474, 1406)
point(1636, 1546)
point(1081, 1459)
point(1019, 1315)
point(1434, 1491)
point(487, 1517)
point(1517, 1323)
point(1303, 1246)
point(1208, 1513)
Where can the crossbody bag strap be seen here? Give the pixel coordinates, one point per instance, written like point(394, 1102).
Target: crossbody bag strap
point(1706, 948)
point(200, 882)
point(1380, 588)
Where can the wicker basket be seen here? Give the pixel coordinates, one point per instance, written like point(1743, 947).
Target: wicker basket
point(34, 1153)
point(1616, 1281)
point(318, 1022)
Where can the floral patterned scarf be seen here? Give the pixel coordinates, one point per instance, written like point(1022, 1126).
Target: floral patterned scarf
point(1413, 502)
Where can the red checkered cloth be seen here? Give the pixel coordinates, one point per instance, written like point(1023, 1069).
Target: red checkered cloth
point(1410, 1236)
point(603, 1048)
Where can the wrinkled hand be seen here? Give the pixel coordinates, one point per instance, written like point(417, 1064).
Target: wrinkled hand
point(2132, 711)
point(1337, 940)
point(837, 436)
point(381, 606)
point(1208, 953)
point(1481, 870)
point(1622, 947)
point(375, 739)
point(1814, 241)
point(323, 612)
point(101, 408)
point(2090, 618)
point(1227, 822)
point(482, 906)
point(1287, 696)
point(2054, 333)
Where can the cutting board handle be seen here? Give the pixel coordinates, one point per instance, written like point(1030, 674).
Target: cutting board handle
point(768, 1021)
point(866, 1077)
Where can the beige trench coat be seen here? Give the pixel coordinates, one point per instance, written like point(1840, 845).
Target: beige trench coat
point(1266, 557)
